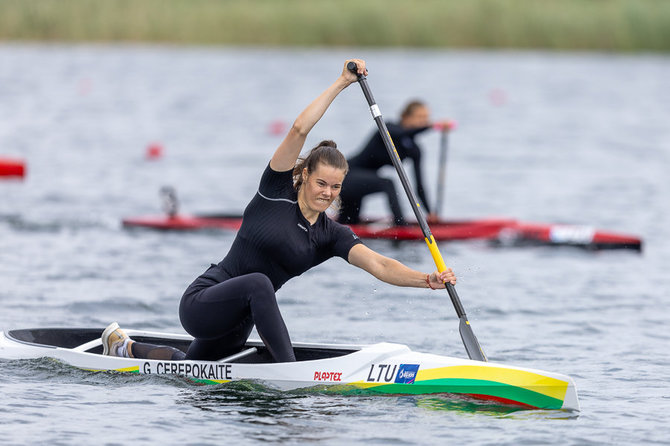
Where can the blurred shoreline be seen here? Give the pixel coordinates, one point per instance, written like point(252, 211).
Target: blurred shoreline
point(611, 25)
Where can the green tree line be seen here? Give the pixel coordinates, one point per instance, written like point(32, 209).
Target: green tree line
point(607, 25)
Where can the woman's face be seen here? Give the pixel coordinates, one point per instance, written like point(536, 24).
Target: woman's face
point(322, 186)
point(420, 117)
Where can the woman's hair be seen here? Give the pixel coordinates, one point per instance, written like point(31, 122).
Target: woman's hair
point(411, 108)
point(325, 152)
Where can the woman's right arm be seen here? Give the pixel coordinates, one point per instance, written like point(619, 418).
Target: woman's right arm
point(394, 272)
point(288, 151)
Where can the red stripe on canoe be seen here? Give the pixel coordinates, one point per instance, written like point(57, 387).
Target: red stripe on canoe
point(501, 230)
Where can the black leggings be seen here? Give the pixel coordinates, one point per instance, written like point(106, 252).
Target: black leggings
point(361, 182)
point(221, 315)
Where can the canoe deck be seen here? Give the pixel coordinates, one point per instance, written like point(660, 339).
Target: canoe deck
point(75, 338)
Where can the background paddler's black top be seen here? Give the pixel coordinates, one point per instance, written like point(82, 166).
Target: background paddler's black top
point(277, 240)
point(374, 154)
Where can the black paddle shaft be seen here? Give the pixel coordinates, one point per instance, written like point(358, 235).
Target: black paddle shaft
point(467, 335)
point(441, 173)
point(390, 148)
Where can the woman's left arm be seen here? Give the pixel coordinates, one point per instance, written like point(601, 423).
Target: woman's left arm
point(392, 271)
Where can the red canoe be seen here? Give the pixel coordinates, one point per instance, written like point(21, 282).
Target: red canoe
point(506, 232)
point(183, 222)
point(10, 167)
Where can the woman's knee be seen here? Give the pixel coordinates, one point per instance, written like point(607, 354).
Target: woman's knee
point(261, 281)
point(260, 286)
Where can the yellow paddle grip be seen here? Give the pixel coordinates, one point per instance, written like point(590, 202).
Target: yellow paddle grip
point(437, 257)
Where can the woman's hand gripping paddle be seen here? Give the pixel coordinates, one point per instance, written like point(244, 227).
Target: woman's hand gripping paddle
point(467, 335)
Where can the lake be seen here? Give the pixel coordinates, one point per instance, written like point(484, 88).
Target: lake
point(548, 137)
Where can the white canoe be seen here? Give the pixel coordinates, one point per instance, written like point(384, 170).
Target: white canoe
point(382, 368)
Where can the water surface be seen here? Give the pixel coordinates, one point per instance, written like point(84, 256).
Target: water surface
point(576, 138)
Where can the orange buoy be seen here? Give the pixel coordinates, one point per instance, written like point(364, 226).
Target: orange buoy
point(12, 168)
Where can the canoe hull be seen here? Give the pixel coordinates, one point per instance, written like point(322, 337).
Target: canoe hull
point(500, 231)
point(382, 368)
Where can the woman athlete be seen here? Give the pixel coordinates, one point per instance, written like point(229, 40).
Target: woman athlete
point(285, 231)
point(363, 178)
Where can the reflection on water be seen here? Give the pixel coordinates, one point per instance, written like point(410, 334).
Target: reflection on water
point(464, 404)
point(474, 406)
point(261, 401)
point(274, 415)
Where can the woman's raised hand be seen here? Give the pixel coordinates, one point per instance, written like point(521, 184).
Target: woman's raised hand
point(351, 77)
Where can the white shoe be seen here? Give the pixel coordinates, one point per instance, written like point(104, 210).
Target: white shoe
point(113, 340)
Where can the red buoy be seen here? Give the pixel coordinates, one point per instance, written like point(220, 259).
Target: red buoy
point(498, 97)
point(154, 151)
point(12, 168)
point(277, 127)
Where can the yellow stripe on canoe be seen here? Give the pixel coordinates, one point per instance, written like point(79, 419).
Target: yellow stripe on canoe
point(133, 369)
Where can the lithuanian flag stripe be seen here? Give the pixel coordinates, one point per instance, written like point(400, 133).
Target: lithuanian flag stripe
point(515, 386)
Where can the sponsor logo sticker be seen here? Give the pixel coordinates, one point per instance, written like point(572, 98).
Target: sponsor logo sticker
point(406, 373)
point(571, 234)
point(327, 376)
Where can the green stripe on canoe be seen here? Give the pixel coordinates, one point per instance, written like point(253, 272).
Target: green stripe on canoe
point(465, 386)
point(207, 381)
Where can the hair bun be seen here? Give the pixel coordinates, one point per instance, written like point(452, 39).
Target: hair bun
point(328, 143)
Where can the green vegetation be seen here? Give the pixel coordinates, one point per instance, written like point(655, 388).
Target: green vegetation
point(616, 25)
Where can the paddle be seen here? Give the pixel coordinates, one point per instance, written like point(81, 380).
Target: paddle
point(467, 335)
point(442, 168)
